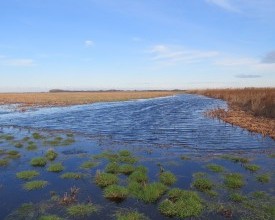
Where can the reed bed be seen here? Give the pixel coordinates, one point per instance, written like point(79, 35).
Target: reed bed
point(76, 98)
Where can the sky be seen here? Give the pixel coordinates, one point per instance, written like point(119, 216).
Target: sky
point(136, 44)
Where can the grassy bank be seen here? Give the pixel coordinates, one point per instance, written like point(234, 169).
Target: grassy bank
point(249, 108)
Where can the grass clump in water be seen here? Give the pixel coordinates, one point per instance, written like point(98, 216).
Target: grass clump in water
point(237, 197)
point(82, 210)
point(18, 145)
point(235, 159)
point(34, 185)
point(128, 159)
point(27, 175)
point(126, 169)
point(234, 181)
point(124, 153)
point(181, 204)
point(215, 168)
point(167, 178)
point(264, 178)
point(68, 141)
point(37, 136)
point(112, 167)
point(51, 155)
point(56, 167)
point(72, 175)
point(105, 179)
point(203, 184)
point(50, 217)
point(31, 146)
point(13, 154)
point(4, 162)
point(115, 193)
point(88, 165)
point(130, 215)
point(139, 175)
point(39, 162)
point(252, 167)
point(148, 193)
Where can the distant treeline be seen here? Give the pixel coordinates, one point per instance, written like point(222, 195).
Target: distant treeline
point(112, 90)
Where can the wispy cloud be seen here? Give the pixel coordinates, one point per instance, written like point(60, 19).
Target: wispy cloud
point(233, 61)
point(269, 57)
point(89, 43)
point(171, 54)
point(225, 4)
point(248, 76)
point(16, 62)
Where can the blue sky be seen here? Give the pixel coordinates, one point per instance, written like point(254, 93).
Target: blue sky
point(136, 44)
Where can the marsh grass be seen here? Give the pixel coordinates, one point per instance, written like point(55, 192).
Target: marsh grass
point(215, 168)
point(67, 142)
point(234, 181)
point(34, 185)
point(264, 178)
point(126, 169)
point(124, 153)
point(88, 165)
point(167, 178)
point(39, 162)
point(181, 204)
point(112, 167)
point(115, 193)
point(252, 167)
point(105, 179)
point(37, 136)
point(236, 159)
point(27, 175)
point(237, 197)
point(139, 175)
point(130, 215)
point(13, 154)
point(50, 217)
point(4, 162)
point(148, 193)
point(51, 155)
point(72, 175)
point(56, 167)
point(203, 184)
point(18, 144)
point(82, 210)
point(31, 147)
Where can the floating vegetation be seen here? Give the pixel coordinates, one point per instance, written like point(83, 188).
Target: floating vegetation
point(237, 197)
point(39, 162)
point(167, 178)
point(126, 169)
point(203, 184)
point(264, 178)
point(130, 215)
point(24, 212)
point(199, 175)
point(88, 165)
point(34, 185)
point(112, 167)
point(183, 157)
point(181, 204)
point(27, 175)
point(105, 179)
point(234, 180)
point(37, 136)
point(215, 168)
point(235, 158)
point(70, 135)
point(115, 193)
point(4, 162)
point(68, 141)
point(31, 146)
point(18, 145)
point(51, 155)
point(252, 167)
point(72, 175)
point(50, 217)
point(82, 210)
point(13, 154)
point(147, 192)
point(8, 137)
point(56, 167)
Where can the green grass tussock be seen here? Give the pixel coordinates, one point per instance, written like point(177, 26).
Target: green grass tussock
point(56, 167)
point(105, 179)
point(203, 184)
point(51, 155)
point(215, 168)
point(252, 167)
point(167, 178)
point(82, 210)
point(88, 165)
point(130, 215)
point(234, 181)
point(27, 175)
point(115, 193)
point(39, 162)
point(50, 217)
point(72, 175)
point(126, 169)
point(264, 178)
point(34, 185)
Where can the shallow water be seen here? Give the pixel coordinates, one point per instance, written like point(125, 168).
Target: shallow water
point(158, 131)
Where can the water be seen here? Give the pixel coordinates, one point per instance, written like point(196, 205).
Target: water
point(177, 122)
point(158, 131)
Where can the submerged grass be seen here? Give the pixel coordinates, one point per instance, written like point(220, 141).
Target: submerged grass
point(82, 210)
point(237, 197)
point(88, 165)
point(50, 217)
point(27, 175)
point(130, 215)
point(181, 204)
point(72, 175)
point(34, 185)
point(13, 154)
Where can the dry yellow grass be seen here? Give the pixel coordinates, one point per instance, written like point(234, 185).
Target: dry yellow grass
point(76, 98)
point(251, 108)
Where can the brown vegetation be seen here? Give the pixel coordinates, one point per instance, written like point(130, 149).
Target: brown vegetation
point(76, 98)
point(249, 108)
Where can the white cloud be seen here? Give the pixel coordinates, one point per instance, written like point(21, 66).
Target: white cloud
point(225, 4)
point(16, 62)
point(89, 43)
point(233, 61)
point(169, 54)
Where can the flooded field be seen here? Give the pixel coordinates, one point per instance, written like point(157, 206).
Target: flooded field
point(145, 159)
